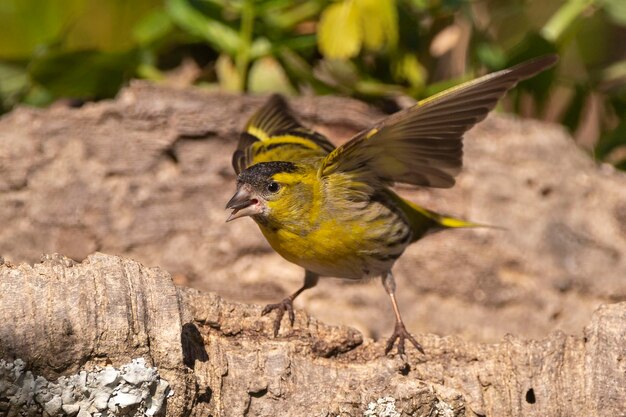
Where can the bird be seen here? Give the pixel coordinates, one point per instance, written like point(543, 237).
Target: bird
point(332, 210)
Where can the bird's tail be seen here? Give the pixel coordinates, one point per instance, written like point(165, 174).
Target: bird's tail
point(449, 222)
point(424, 221)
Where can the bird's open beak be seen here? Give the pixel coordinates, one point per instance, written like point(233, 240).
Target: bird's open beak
point(243, 204)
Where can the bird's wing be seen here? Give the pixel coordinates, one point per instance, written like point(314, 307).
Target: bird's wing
point(274, 123)
point(422, 145)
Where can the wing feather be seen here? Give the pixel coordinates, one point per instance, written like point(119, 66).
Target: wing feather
point(273, 117)
point(422, 145)
point(274, 120)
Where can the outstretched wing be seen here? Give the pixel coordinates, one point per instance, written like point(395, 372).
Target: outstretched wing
point(275, 126)
point(422, 145)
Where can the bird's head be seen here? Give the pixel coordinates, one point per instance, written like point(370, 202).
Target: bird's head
point(264, 189)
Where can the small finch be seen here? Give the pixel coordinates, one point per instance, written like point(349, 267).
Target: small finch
point(330, 210)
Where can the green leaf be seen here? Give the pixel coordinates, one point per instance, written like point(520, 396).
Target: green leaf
point(38, 96)
point(347, 26)
point(339, 34)
point(615, 72)
point(153, 27)
point(420, 5)
point(379, 23)
point(372, 88)
point(267, 75)
point(408, 68)
point(227, 74)
point(286, 16)
point(28, 24)
point(490, 55)
point(260, 47)
point(14, 83)
point(296, 43)
point(593, 37)
point(616, 9)
point(13, 79)
point(83, 74)
point(149, 72)
point(564, 18)
point(219, 35)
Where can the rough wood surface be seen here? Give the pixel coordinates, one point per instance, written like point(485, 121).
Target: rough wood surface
point(220, 358)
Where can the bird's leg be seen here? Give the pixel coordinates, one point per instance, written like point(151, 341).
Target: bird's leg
point(400, 332)
point(310, 280)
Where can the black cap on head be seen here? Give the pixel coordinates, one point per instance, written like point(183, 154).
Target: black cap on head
point(259, 173)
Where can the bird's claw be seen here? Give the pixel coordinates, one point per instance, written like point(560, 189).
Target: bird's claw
point(401, 334)
point(285, 305)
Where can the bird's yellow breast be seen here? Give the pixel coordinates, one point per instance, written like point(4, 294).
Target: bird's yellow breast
point(332, 249)
point(349, 243)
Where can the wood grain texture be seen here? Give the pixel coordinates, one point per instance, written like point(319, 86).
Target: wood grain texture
point(221, 359)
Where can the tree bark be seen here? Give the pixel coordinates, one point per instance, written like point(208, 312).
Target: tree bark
point(220, 358)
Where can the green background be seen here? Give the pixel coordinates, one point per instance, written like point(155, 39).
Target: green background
point(80, 50)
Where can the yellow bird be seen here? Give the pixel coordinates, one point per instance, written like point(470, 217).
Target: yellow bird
point(331, 211)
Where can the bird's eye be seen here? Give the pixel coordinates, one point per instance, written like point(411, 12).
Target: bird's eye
point(273, 187)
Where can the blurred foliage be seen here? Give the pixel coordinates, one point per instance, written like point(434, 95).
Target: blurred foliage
point(370, 49)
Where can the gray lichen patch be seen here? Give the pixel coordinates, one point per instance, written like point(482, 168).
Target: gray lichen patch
point(383, 407)
point(134, 389)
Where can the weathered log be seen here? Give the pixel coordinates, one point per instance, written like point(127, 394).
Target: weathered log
point(219, 358)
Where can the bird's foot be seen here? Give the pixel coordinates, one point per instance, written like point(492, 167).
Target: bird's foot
point(401, 334)
point(285, 305)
